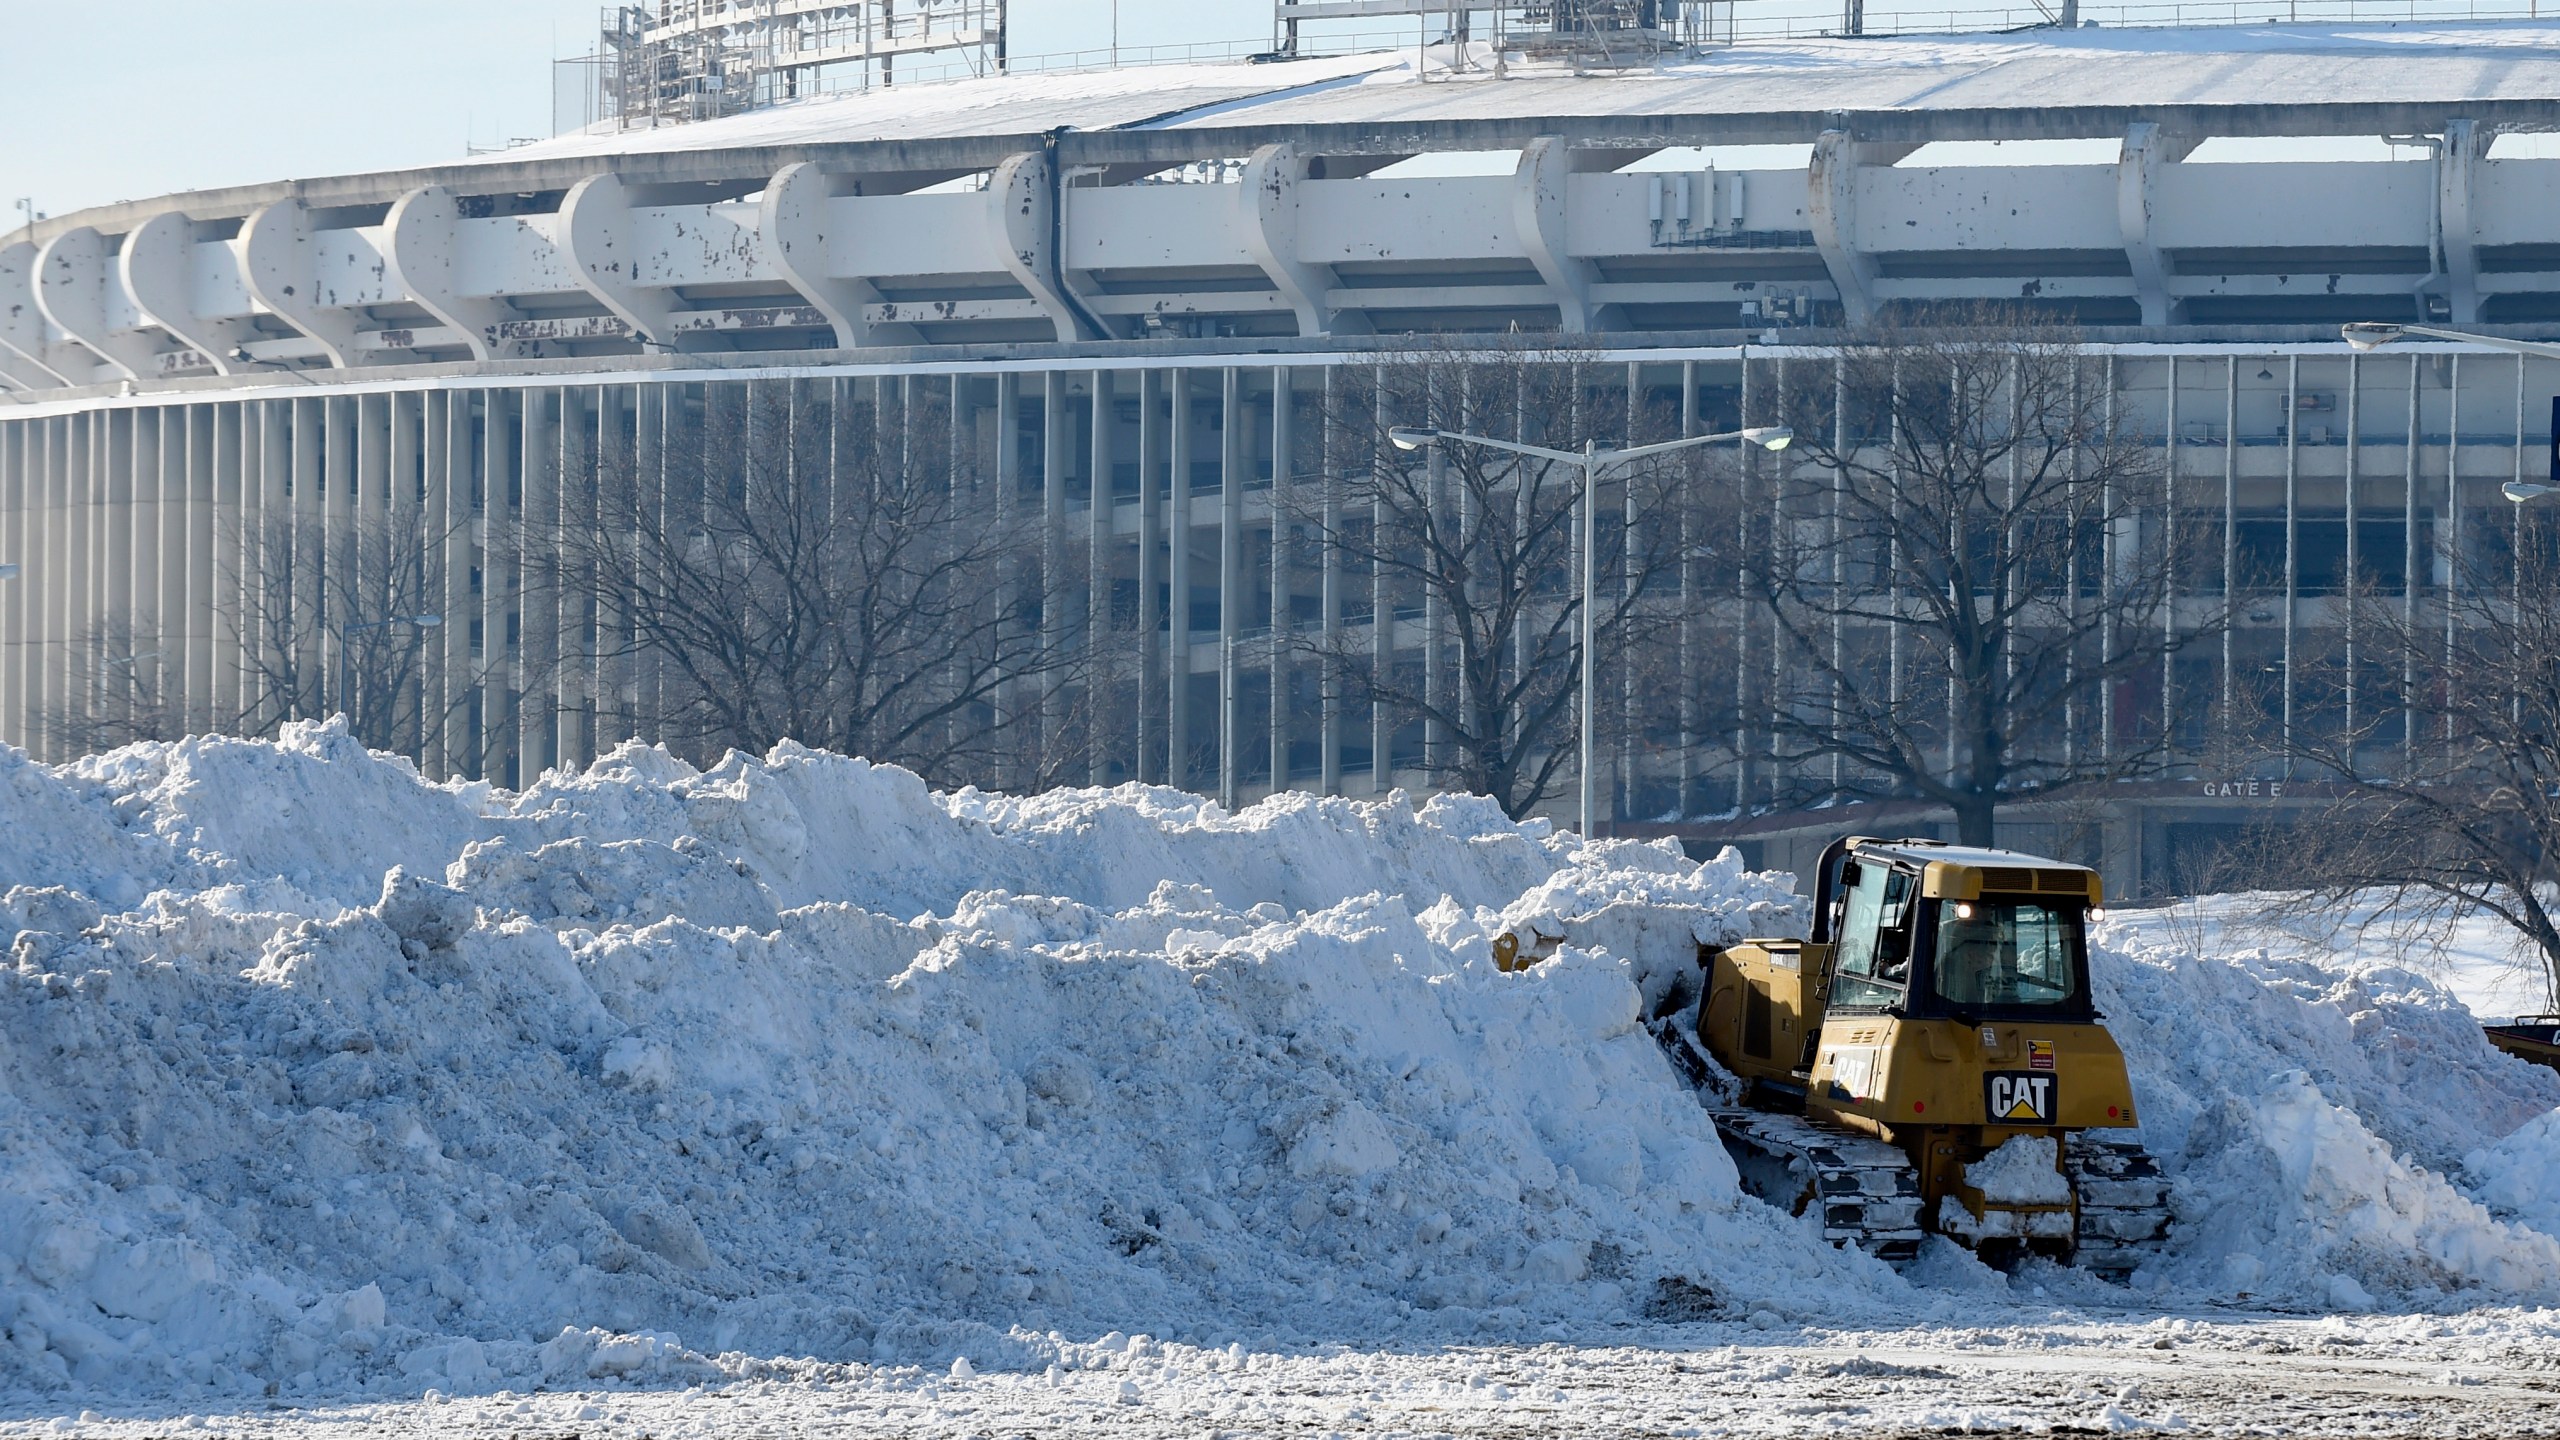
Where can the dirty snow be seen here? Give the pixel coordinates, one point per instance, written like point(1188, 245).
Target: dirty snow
point(323, 1085)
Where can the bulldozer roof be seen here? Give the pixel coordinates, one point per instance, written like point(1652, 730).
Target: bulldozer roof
point(1963, 872)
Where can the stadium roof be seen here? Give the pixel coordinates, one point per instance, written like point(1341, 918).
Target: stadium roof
point(2253, 66)
point(2273, 80)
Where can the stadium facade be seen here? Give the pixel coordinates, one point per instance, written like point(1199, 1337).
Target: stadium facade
point(1124, 290)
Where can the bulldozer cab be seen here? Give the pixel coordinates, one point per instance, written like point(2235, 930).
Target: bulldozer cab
point(1925, 931)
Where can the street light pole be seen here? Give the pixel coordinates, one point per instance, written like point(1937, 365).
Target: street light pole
point(1592, 460)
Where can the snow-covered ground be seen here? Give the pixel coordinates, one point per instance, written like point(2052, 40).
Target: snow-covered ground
point(791, 1096)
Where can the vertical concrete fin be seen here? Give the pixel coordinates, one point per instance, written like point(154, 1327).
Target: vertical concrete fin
point(158, 265)
point(2457, 169)
point(1832, 206)
point(1018, 200)
point(422, 242)
point(25, 354)
point(1538, 222)
point(798, 224)
point(2146, 149)
point(71, 289)
point(1269, 198)
point(595, 234)
point(281, 261)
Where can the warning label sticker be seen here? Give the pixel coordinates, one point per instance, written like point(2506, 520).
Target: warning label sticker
point(2039, 1054)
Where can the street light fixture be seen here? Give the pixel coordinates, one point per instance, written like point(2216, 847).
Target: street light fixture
point(1592, 460)
point(2369, 336)
point(346, 683)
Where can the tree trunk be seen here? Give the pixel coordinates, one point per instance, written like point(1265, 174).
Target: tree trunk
point(1974, 816)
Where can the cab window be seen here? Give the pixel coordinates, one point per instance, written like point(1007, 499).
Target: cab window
point(1874, 963)
point(1996, 954)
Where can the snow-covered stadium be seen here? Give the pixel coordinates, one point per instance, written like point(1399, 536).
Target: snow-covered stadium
point(1128, 289)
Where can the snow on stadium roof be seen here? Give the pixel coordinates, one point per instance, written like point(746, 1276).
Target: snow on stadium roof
point(2246, 65)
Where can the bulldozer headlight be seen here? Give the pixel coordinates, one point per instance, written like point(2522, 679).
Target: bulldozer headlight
point(1964, 909)
point(2097, 913)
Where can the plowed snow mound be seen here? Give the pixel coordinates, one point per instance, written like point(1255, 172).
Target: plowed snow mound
point(2317, 1109)
point(794, 1057)
point(318, 1077)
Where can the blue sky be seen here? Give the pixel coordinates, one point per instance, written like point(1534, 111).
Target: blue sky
point(106, 100)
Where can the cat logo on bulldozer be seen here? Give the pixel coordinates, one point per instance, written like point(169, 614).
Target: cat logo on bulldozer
point(2018, 1097)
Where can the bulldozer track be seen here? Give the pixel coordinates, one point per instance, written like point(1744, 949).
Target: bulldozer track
point(2124, 1201)
point(1867, 1192)
point(1870, 1196)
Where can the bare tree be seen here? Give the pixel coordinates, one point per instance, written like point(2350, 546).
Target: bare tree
point(1963, 557)
point(348, 623)
point(834, 579)
point(2446, 787)
point(126, 696)
point(1480, 546)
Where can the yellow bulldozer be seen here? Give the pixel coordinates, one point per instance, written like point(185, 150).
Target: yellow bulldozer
point(1929, 1061)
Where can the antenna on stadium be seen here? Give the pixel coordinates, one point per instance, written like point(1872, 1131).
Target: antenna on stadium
point(677, 61)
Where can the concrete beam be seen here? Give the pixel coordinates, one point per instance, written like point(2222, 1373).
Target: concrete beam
point(1338, 142)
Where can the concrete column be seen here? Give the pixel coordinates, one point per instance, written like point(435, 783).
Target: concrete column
point(2449, 531)
point(408, 574)
point(1435, 619)
point(341, 592)
point(2409, 559)
point(2169, 611)
point(2230, 516)
point(501, 494)
point(2292, 534)
point(231, 577)
point(1283, 481)
point(129, 457)
point(644, 673)
point(1053, 562)
point(1152, 619)
point(533, 667)
point(42, 576)
point(366, 586)
point(13, 603)
point(1231, 597)
point(580, 694)
point(309, 538)
point(2355, 555)
point(1177, 770)
point(80, 639)
point(1382, 626)
point(254, 667)
point(452, 514)
point(1329, 599)
point(1103, 658)
point(203, 575)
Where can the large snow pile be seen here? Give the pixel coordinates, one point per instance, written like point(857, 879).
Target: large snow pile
point(315, 1075)
point(318, 1077)
point(2340, 1132)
